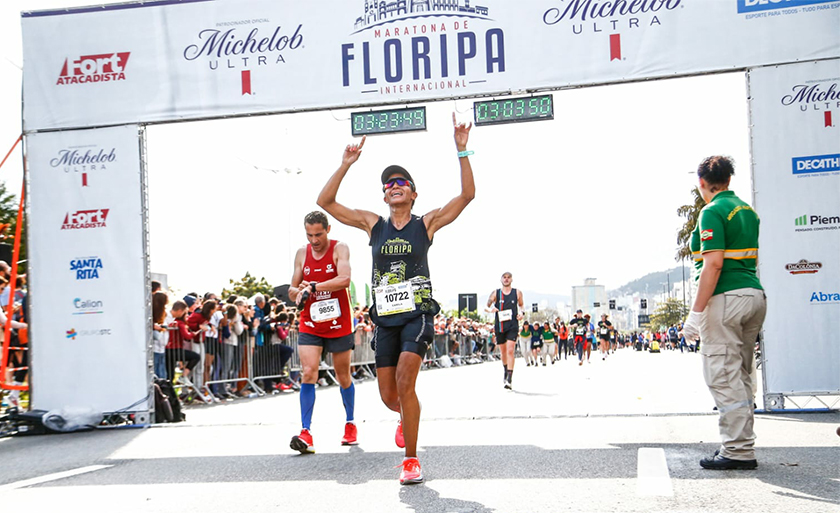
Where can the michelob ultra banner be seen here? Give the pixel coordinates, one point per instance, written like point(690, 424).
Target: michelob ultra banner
point(795, 112)
point(87, 289)
point(168, 60)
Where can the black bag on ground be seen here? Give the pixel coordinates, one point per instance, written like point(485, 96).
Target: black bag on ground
point(168, 391)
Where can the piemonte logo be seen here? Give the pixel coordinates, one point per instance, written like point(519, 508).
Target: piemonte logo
point(413, 46)
point(804, 267)
point(594, 16)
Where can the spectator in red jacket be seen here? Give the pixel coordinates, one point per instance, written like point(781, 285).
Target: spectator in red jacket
point(179, 336)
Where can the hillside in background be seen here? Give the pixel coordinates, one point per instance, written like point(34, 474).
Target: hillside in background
point(651, 283)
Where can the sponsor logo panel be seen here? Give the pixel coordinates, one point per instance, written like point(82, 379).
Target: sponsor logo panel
point(83, 160)
point(73, 334)
point(825, 298)
point(818, 97)
point(86, 268)
point(804, 267)
point(84, 219)
point(751, 6)
point(816, 222)
point(87, 306)
point(96, 68)
point(816, 164)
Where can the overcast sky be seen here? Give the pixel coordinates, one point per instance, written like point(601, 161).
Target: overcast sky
point(592, 193)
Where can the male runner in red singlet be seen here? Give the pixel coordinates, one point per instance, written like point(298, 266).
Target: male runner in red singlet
point(319, 287)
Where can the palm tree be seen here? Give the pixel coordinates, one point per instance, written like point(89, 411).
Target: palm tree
point(691, 212)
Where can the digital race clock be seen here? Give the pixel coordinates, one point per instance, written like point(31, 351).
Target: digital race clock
point(513, 110)
point(388, 121)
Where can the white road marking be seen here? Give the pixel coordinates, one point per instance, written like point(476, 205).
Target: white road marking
point(653, 479)
point(52, 477)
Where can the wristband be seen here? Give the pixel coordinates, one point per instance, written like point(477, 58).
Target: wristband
point(312, 284)
point(465, 153)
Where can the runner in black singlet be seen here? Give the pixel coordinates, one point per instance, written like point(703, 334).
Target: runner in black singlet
point(505, 303)
point(403, 309)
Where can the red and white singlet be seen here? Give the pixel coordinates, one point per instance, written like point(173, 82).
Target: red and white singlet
point(327, 314)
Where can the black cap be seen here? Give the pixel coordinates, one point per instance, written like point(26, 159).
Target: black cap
point(579, 311)
point(395, 170)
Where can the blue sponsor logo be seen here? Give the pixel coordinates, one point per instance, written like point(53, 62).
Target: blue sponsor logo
point(87, 306)
point(746, 6)
point(825, 297)
point(816, 164)
point(86, 268)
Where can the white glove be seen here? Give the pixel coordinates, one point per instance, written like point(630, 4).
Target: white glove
point(691, 327)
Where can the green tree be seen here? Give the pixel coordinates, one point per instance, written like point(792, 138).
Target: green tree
point(691, 213)
point(672, 311)
point(8, 216)
point(248, 286)
point(543, 315)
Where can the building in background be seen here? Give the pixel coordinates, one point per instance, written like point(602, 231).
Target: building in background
point(591, 298)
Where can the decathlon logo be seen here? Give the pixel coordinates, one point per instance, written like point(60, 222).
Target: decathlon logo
point(825, 298)
point(86, 268)
point(88, 69)
point(816, 164)
point(748, 6)
point(407, 46)
point(83, 219)
point(804, 267)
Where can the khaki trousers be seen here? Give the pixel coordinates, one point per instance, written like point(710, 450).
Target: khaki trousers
point(727, 339)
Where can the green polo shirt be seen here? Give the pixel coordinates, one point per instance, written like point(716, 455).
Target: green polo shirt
point(728, 224)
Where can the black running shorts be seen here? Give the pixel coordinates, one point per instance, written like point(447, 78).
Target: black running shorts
point(412, 337)
point(331, 345)
point(508, 335)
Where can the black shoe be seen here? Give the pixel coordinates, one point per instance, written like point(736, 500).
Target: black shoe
point(718, 462)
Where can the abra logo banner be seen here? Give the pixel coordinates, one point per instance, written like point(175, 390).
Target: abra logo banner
point(82, 219)
point(611, 17)
point(244, 45)
point(81, 161)
point(86, 268)
point(410, 46)
point(89, 69)
point(819, 97)
point(804, 267)
point(825, 298)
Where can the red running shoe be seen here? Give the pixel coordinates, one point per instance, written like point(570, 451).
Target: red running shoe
point(303, 442)
point(411, 472)
point(399, 439)
point(350, 433)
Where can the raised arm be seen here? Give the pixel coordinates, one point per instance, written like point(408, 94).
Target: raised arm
point(440, 217)
point(361, 219)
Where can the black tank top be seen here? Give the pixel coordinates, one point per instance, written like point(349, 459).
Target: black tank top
point(509, 302)
point(398, 256)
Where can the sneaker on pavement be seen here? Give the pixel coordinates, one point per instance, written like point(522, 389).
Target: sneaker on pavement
point(303, 442)
point(399, 439)
point(411, 472)
point(350, 434)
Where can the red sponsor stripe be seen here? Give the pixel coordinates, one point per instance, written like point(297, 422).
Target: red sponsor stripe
point(828, 118)
point(615, 47)
point(246, 82)
point(84, 180)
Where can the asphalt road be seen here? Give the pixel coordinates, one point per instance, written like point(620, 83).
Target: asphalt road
point(624, 434)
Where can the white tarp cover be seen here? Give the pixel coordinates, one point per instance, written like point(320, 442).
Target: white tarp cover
point(173, 60)
point(88, 270)
point(795, 112)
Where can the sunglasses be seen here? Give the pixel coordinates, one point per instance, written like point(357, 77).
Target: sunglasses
point(402, 182)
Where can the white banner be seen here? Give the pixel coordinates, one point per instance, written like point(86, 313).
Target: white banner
point(87, 269)
point(174, 60)
point(795, 113)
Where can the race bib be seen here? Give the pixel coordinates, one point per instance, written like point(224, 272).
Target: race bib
point(394, 299)
point(323, 311)
point(603, 331)
point(505, 315)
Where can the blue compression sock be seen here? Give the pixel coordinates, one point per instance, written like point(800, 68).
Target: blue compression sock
point(307, 404)
point(348, 397)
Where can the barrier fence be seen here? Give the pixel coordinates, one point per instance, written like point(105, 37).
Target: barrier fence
point(256, 364)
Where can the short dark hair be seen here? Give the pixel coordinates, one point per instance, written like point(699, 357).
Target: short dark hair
point(716, 169)
point(317, 217)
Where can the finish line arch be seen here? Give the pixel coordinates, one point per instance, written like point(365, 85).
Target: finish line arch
point(123, 66)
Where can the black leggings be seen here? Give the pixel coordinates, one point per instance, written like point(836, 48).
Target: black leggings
point(190, 359)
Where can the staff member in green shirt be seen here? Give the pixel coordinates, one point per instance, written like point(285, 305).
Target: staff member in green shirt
point(728, 311)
